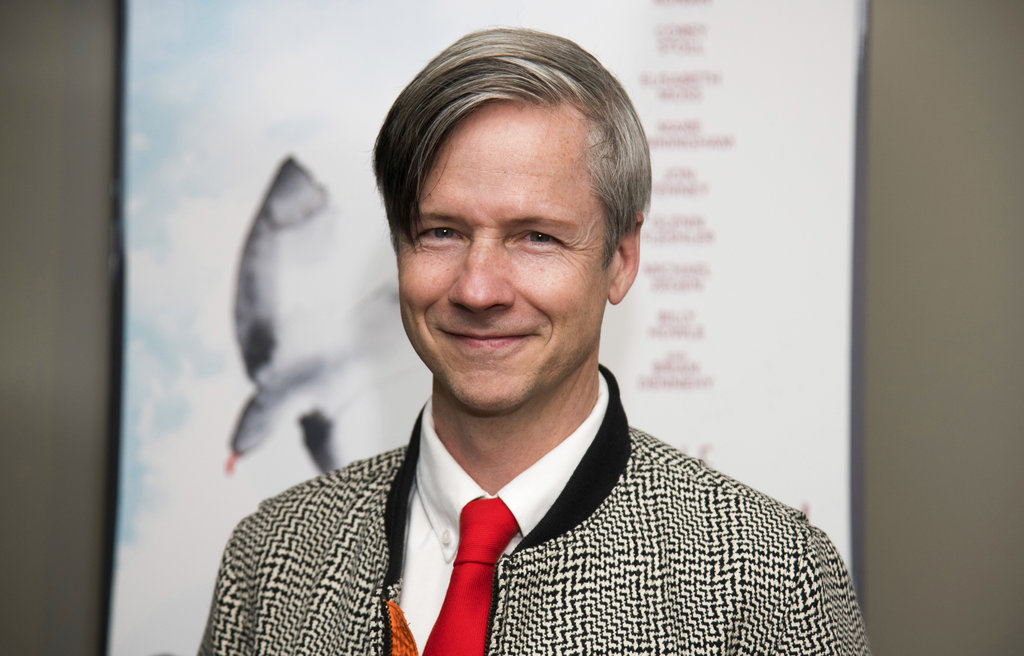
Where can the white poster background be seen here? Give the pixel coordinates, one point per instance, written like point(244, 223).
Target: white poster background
point(734, 343)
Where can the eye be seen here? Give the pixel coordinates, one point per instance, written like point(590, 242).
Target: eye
point(539, 237)
point(442, 233)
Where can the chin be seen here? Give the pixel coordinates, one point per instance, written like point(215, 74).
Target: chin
point(484, 398)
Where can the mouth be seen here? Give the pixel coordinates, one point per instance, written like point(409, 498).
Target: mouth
point(487, 341)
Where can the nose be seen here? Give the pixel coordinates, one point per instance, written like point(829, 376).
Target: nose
point(483, 281)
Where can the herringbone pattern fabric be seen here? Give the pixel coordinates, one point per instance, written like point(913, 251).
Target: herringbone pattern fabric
point(678, 559)
point(302, 575)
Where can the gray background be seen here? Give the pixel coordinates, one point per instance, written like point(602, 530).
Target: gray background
point(943, 324)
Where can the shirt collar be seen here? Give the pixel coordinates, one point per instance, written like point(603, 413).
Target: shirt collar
point(444, 487)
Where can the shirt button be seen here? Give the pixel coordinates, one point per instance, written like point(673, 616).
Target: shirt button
point(446, 537)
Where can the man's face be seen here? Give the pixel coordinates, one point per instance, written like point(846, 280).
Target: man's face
point(503, 287)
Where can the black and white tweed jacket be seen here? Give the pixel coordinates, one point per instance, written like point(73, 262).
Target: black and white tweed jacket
point(646, 551)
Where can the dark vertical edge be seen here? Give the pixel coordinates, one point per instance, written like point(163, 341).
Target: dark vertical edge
point(116, 271)
point(857, 317)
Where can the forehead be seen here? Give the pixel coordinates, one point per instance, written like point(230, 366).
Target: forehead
point(513, 152)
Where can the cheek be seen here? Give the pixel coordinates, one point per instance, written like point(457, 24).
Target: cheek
point(419, 282)
point(574, 294)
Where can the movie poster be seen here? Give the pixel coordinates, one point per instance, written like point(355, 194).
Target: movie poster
point(262, 342)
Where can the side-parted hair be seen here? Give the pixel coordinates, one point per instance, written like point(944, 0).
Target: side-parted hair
point(513, 65)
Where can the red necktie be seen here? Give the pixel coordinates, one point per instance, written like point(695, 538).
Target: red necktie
point(485, 527)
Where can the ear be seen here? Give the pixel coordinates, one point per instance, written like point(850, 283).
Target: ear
point(625, 263)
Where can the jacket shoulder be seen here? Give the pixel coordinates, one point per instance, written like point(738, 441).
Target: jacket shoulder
point(714, 516)
point(763, 554)
point(298, 548)
point(349, 500)
point(337, 489)
point(690, 480)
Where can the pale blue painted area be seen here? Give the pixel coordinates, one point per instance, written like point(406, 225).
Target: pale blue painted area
point(165, 39)
point(159, 358)
point(165, 87)
point(167, 413)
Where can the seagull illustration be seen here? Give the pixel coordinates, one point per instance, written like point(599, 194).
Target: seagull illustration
point(304, 318)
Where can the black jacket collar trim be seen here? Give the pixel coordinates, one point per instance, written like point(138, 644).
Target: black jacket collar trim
point(589, 485)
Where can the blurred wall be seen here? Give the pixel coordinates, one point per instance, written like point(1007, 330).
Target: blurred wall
point(57, 108)
point(943, 322)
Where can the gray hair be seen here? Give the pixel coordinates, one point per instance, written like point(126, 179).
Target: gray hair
point(517, 65)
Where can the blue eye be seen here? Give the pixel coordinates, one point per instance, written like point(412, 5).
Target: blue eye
point(442, 233)
point(539, 237)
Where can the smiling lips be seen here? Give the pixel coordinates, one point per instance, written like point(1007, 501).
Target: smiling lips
point(489, 341)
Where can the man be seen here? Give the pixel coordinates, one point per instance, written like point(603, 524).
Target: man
point(525, 516)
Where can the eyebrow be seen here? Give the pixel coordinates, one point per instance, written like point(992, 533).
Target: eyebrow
point(525, 221)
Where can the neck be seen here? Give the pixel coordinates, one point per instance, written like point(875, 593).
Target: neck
point(495, 448)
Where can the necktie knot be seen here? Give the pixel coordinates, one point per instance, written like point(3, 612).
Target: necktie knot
point(485, 528)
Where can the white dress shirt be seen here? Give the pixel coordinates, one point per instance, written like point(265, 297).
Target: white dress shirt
point(442, 488)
